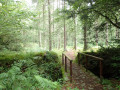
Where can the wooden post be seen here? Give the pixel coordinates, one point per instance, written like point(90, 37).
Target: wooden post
point(71, 71)
point(62, 59)
point(65, 64)
point(101, 71)
point(78, 58)
point(86, 62)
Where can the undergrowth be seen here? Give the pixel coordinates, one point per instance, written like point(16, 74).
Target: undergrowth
point(40, 70)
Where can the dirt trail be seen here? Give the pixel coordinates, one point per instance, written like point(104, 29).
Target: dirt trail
point(81, 79)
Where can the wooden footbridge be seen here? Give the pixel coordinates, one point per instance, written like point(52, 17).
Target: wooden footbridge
point(79, 76)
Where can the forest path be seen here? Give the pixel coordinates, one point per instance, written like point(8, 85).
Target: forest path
point(80, 79)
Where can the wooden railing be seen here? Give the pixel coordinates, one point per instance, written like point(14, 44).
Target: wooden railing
point(65, 58)
point(96, 58)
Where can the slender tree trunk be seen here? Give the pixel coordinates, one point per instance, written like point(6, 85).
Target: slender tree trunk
point(64, 30)
point(39, 33)
point(39, 38)
point(85, 38)
point(96, 37)
point(24, 37)
point(59, 42)
point(49, 20)
point(53, 27)
point(44, 33)
point(107, 34)
point(117, 33)
point(59, 3)
point(75, 32)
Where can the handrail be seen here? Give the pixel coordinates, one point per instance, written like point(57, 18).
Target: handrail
point(98, 58)
point(92, 56)
point(64, 60)
point(67, 56)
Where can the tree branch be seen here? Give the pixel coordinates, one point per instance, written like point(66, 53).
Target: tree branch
point(107, 18)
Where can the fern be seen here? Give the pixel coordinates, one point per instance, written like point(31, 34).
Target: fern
point(24, 75)
point(47, 84)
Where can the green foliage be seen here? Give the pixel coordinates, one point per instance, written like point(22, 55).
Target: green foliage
point(19, 76)
point(52, 71)
point(118, 86)
point(106, 82)
point(98, 7)
point(7, 58)
point(74, 89)
point(111, 62)
point(12, 20)
point(49, 65)
point(51, 57)
point(24, 75)
point(109, 84)
point(46, 57)
point(47, 84)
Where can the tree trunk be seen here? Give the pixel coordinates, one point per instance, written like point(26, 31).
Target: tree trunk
point(96, 37)
point(53, 27)
point(39, 33)
point(85, 38)
point(59, 42)
point(49, 20)
point(44, 33)
point(107, 34)
point(64, 30)
point(39, 38)
point(75, 32)
point(117, 33)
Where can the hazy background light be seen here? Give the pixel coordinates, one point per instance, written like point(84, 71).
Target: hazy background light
point(0, 4)
point(28, 3)
point(31, 4)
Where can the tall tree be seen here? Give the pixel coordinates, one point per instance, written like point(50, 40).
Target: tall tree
point(106, 32)
point(44, 33)
point(117, 33)
point(64, 30)
point(53, 26)
point(96, 37)
point(85, 37)
point(75, 23)
point(39, 33)
point(49, 20)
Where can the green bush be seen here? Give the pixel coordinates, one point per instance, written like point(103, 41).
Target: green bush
point(111, 62)
point(8, 58)
point(51, 56)
point(24, 75)
point(52, 71)
point(45, 57)
point(25, 70)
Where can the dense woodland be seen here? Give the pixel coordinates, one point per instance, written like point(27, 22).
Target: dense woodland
point(34, 33)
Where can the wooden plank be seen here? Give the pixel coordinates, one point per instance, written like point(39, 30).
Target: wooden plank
point(69, 58)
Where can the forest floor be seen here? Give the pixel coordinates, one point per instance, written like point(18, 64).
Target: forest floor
point(81, 79)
